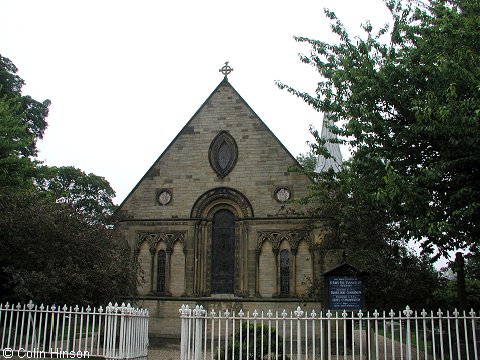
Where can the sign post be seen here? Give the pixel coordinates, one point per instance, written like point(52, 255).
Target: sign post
point(345, 290)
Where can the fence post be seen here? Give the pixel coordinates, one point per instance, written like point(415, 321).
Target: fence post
point(407, 312)
point(108, 353)
point(298, 313)
point(121, 340)
point(126, 339)
point(198, 314)
point(185, 312)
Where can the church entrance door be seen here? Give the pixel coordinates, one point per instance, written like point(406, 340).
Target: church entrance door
point(223, 252)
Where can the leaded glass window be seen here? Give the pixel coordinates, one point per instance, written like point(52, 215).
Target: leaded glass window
point(284, 272)
point(162, 260)
point(223, 252)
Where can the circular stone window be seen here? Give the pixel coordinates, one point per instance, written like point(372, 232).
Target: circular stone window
point(282, 194)
point(164, 197)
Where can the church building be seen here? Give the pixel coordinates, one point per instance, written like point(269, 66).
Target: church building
point(212, 221)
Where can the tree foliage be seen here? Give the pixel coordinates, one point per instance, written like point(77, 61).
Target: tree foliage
point(449, 289)
point(50, 253)
point(369, 239)
point(56, 245)
point(22, 123)
point(308, 161)
point(407, 102)
point(89, 195)
point(472, 266)
point(30, 112)
point(16, 169)
point(447, 293)
point(264, 339)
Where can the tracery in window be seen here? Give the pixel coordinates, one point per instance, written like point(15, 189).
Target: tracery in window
point(223, 153)
point(282, 194)
point(164, 196)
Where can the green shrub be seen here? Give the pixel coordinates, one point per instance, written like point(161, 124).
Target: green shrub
point(251, 329)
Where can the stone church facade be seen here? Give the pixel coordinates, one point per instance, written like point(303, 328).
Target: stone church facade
point(212, 223)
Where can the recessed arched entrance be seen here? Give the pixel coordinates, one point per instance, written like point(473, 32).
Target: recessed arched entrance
point(221, 239)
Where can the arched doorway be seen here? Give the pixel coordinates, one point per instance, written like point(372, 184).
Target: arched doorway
point(221, 239)
point(223, 252)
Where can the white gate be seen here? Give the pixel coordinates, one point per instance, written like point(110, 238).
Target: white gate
point(32, 331)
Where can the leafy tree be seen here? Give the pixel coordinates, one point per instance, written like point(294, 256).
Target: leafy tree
point(51, 254)
point(30, 113)
point(472, 265)
point(467, 295)
point(369, 239)
point(395, 269)
point(445, 296)
point(16, 169)
point(22, 123)
point(409, 108)
point(55, 243)
point(90, 195)
point(308, 161)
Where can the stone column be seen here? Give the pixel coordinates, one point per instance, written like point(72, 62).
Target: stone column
point(185, 292)
point(196, 260)
point(257, 272)
point(168, 270)
point(312, 256)
point(277, 272)
point(242, 258)
point(206, 253)
point(293, 291)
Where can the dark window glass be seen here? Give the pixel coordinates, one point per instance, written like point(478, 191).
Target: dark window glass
point(223, 252)
point(224, 155)
point(162, 257)
point(284, 272)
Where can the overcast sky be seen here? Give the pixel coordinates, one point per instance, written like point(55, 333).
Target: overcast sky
point(125, 76)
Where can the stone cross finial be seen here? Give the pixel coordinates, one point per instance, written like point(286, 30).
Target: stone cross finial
point(225, 69)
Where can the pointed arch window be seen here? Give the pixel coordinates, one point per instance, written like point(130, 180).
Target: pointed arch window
point(284, 272)
point(223, 153)
point(161, 271)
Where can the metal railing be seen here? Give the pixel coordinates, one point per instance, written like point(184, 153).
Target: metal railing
point(328, 335)
point(36, 331)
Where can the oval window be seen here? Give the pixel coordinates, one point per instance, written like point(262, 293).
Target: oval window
point(223, 153)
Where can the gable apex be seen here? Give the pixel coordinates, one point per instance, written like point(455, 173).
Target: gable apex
point(188, 128)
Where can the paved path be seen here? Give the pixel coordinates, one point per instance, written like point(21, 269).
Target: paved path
point(164, 349)
point(169, 349)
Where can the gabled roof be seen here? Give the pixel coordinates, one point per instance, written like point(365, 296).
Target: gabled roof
point(223, 83)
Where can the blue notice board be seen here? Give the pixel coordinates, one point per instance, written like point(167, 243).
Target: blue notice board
point(345, 292)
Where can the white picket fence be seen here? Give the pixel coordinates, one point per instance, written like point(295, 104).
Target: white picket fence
point(38, 331)
point(328, 335)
